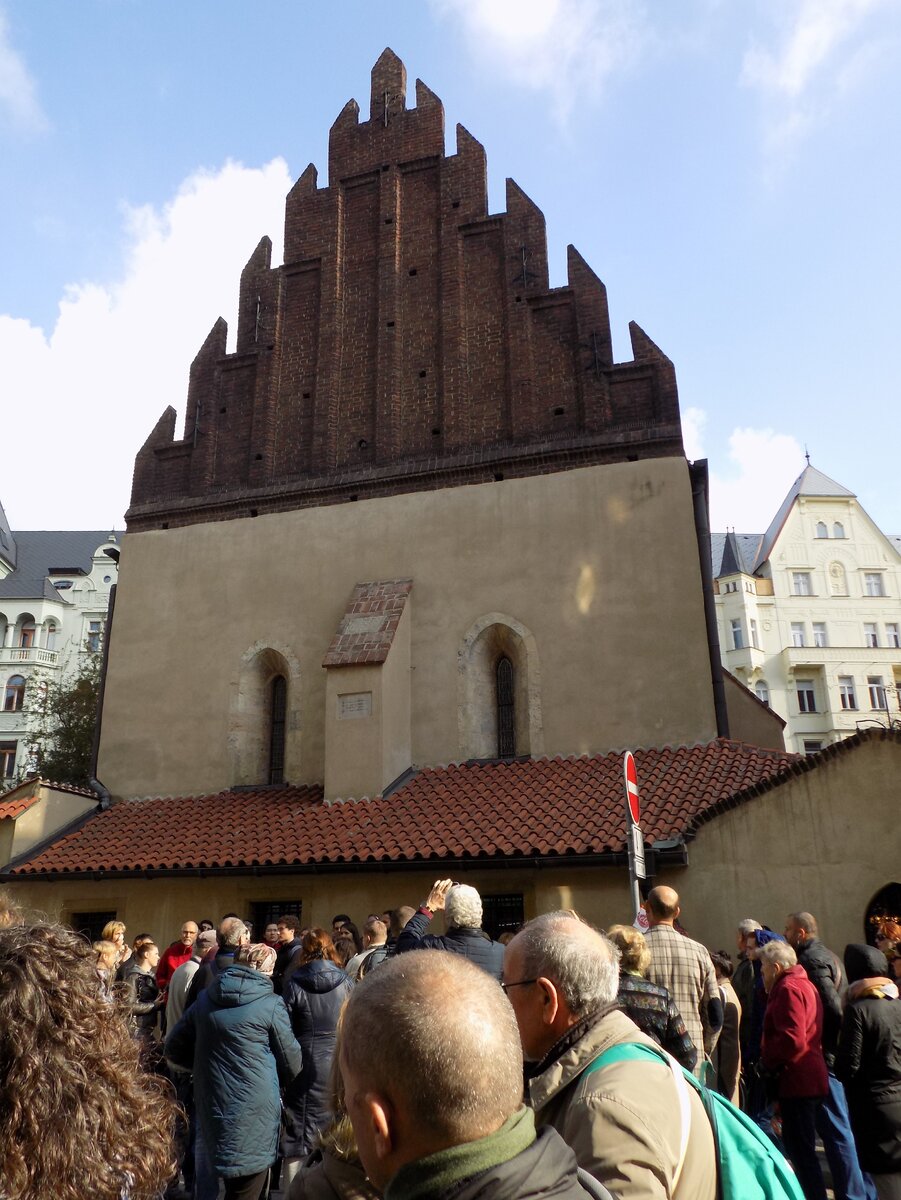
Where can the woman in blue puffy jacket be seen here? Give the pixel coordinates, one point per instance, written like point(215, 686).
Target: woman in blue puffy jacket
point(238, 1042)
point(315, 994)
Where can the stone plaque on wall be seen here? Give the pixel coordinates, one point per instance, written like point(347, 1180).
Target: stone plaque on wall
point(353, 705)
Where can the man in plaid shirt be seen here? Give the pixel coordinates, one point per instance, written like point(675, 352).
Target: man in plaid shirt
point(684, 968)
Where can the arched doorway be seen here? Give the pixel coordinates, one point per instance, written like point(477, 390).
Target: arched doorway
point(886, 903)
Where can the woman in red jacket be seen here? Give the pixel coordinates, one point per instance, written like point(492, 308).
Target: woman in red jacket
point(792, 1050)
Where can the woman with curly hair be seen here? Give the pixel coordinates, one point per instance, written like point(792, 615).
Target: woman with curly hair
point(78, 1116)
point(314, 994)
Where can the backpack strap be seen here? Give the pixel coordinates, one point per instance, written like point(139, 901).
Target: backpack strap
point(635, 1051)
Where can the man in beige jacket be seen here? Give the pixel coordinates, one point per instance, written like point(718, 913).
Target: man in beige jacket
point(637, 1126)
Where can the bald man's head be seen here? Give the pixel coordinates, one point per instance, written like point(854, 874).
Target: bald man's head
point(662, 905)
point(436, 1038)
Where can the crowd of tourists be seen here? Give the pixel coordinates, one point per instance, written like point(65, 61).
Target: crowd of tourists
point(394, 1060)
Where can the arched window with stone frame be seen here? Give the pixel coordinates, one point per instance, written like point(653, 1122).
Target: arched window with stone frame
point(264, 717)
point(499, 690)
point(14, 695)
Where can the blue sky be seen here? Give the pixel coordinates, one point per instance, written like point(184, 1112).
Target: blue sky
point(732, 173)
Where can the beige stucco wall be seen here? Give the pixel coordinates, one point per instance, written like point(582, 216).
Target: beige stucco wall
point(749, 720)
point(363, 754)
point(600, 564)
point(53, 812)
point(159, 906)
point(824, 842)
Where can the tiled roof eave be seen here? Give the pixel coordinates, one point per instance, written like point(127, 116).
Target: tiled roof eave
point(533, 861)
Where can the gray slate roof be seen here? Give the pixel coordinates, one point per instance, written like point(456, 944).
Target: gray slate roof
point(810, 482)
point(731, 552)
point(39, 551)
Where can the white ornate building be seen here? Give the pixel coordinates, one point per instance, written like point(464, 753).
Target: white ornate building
point(54, 594)
point(809, 614)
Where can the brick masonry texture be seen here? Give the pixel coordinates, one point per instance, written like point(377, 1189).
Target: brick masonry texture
point(409, 341)
point(367, 629)
point(552, 808)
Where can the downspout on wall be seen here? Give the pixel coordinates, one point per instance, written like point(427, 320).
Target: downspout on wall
point(93, 781)
point(700, 494)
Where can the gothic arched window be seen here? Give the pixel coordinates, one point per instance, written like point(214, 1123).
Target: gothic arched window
point(506, 726)
point(278, 709)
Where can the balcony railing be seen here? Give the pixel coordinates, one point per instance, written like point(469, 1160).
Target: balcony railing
point(30, 656)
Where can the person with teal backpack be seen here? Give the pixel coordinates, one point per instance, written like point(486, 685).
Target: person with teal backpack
point(634, 1120)
point(749, 1167)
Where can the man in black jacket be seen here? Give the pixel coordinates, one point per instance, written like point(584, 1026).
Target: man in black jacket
point(437, 1107)
point(833, 1120)
point(462, 907)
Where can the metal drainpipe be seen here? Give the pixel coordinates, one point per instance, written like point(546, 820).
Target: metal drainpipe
point(95, 783)
point(701, 502)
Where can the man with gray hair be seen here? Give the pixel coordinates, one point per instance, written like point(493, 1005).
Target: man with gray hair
point(634, 1123)
point(437, 1107)
point(231, 934)
point(462, 907)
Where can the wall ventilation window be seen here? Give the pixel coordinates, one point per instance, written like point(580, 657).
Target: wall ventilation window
point(806, 699)
point(14, 696)
point(279, 698)
point(506, 728)
point(801, 585)
point(876, 688)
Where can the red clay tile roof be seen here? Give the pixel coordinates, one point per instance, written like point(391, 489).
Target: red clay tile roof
point(545, 807)
point(368, 627)
point(15, 808)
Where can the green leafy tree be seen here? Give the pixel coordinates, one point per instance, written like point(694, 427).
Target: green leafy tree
point(63, 717)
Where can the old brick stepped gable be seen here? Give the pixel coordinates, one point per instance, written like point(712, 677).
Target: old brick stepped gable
point(409, 341)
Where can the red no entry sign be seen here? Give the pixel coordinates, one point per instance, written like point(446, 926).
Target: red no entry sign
point(631, 780)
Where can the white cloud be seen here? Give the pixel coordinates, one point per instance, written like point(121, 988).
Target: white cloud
point(747, 488)
point(89, 393)
point(568, 48)
point(817, 30)
point(816, 45)
point(18, 94)
point(761, 467)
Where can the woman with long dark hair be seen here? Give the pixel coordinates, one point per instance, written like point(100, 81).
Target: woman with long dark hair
point(78, 1115)
point(314, 994)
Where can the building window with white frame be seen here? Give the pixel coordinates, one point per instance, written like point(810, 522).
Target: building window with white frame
point(14, 697)
point(738, 640)
point(7, 760)
point(846, 693)
point(871, 635)
point(762, 692)
point(822, 531)
point(95, 632)
point(755, 638)
point(819, 634)
point(893, 634)
point(801, 585)
point(797, 630)
point(873, 583)
point(812, 747)
point(876, 688)
point(838, 530)
point(806, 698)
